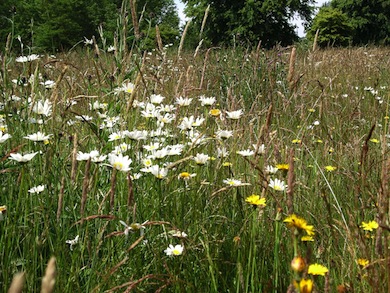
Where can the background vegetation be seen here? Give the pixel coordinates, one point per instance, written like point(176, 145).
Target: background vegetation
point(317, 120)
point(52, 26)
point(324, 114)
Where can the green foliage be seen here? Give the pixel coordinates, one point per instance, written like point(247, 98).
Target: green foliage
point(370, 20)
point(60, 24)
point(333, 28)
point(248, 22)
point(356, 22)
point(231, 246)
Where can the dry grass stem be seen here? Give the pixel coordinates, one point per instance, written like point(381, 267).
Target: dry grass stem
point(134, 18)
point(130, 194)
point(159, 40)
point(112, 189)
point(74, 158)
point(291, 68)
point(60, 199)
point(17, 283)
point(183, 38)
point(290, 183)
point(206, 13)
point(48, 280)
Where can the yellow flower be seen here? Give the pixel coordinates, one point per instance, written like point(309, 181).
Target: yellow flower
point(282, 167)
point(186, 176)
point(317, 270)
point(370, 226)
point(256, 200)
point(363, 262)
point(3, 210)
point(374, 140)
point(306, 286)
point(330, 168)
point(299, 223)
point(311, 110)
point(307, 238)
point(215, 112)
point(227, 164)
point(296, 141)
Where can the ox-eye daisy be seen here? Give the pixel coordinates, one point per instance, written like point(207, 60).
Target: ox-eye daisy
point(174, 250)
point(119, 162)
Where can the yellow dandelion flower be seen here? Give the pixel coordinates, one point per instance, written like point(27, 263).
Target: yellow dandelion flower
point(282, 167)
point(256, 200)
point(306, 286)
point(319, 141)
point(299, 223)
point(330, 168)
point(363, 262)
point(227, 164)
point(311, 110)
point(374, 140)
point(307, 238)
point(296, 141)
point(317, 270)
point(369, 226)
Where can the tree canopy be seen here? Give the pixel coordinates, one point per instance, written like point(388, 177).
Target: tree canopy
point(333, 28)
point(60, 24)
point(232, 21)
point(356, 22)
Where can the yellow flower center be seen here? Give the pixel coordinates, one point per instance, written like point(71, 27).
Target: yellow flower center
point(215, 112)
point(118, 165)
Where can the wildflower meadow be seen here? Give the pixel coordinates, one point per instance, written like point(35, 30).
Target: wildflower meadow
point(219, 170)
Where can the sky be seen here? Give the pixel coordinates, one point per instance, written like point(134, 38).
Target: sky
point(300, 29)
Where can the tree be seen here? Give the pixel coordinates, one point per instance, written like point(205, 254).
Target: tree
point(333, 28)
point(60, 24)
point(249, 21)
point(162, 13)
point(370, 19)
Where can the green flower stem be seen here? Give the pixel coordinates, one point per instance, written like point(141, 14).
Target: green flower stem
point(276, 251)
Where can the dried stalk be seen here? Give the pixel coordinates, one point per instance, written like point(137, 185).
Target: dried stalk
point(290, 183)
point(291, 68)
point(134, 18)
point(130, 195)
point(61, 199)
point(17, 283)
point(206, 13)
point(159, 40)
point(74, 159)
point(112, 189)
point(183, 37)
point(48, 280)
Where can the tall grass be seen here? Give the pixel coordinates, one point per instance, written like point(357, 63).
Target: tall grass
point(318, 109)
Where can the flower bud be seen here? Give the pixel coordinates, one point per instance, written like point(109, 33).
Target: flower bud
point(298, 264)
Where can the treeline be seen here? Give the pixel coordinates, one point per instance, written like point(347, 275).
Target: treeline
point(52, 25)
